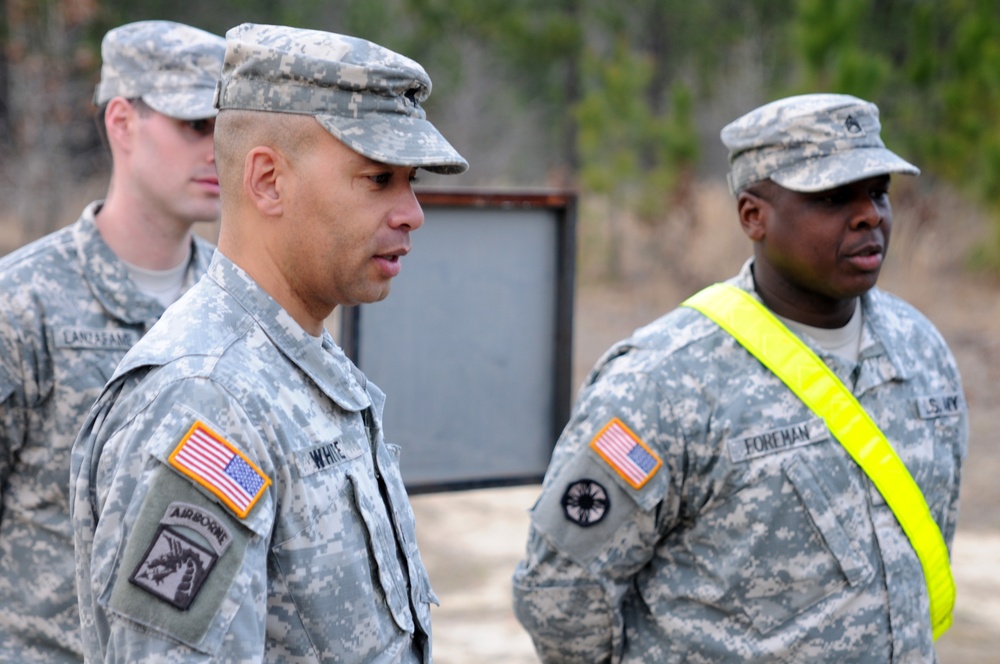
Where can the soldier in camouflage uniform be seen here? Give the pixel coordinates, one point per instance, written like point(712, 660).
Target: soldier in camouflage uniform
point(72, 303)
point(234, 495)
point(695, 510)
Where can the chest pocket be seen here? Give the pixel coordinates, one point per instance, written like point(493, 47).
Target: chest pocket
point(784, 547)
point(342, 569)
point(931, 447)
point(833, 560)
point(405, 523)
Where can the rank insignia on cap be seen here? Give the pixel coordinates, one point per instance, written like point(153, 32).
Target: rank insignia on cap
point(585, 502)
point(626, 453)
point(223, 470)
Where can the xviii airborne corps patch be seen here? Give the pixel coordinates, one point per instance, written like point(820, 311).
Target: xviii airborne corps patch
point(174, 568)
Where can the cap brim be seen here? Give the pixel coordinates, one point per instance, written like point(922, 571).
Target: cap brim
point(195, 104)
point(398, 140)
point(832, 171)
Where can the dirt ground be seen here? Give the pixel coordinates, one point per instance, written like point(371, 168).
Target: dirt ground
point(471, 541)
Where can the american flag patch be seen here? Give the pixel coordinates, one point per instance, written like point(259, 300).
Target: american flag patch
point(624, 452)
point(212, 462)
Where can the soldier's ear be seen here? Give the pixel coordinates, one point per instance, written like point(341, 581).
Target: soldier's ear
point(263, 173)
point(119, 122)
point(753, 211)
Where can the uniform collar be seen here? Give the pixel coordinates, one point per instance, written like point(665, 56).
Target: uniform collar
point(325, 363)
point(879, 361)
point(108, 279)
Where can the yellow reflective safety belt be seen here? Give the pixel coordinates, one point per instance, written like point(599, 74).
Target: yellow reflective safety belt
point(777, 348)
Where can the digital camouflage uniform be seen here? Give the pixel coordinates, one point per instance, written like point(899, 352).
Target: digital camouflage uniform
point(758, 539)
point(68, 314)
point(234, 496)
point(323, 567)
point(695, 510)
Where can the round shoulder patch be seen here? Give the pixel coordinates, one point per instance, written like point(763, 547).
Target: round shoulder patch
point(585, 502)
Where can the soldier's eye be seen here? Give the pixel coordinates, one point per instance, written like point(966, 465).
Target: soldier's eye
point(202, 127)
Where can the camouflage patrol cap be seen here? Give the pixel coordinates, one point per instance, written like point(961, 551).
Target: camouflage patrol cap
point(366, 96)
point(809, 143)
point(172, 67)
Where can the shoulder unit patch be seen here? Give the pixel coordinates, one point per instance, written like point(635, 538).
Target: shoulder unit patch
point(174, 568)
point(215, 464)
point(626, 453)
point(585, 502)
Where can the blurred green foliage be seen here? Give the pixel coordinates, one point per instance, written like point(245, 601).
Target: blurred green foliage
point(619, 88)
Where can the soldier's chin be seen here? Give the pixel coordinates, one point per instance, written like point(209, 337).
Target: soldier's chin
point(376, 296)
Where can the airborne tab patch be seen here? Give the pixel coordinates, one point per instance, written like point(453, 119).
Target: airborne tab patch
point(200, 521)
point(626, 453)
point(213, 463)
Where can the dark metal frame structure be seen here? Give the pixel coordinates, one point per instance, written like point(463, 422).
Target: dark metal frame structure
point(562, 206)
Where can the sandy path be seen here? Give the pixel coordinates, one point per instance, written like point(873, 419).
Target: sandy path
point(472, 541)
